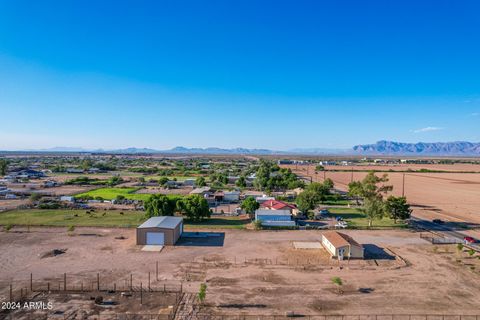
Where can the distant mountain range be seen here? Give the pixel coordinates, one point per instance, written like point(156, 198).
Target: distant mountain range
point(459, 148)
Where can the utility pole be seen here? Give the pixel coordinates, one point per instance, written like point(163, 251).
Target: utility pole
point(403, 185)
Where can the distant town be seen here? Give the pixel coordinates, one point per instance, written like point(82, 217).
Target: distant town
point(169, 234)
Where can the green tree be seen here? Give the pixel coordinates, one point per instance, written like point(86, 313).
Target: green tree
point(328, 184)
point(374, 209)
point(398, 208)
point(35, 197)
point(163, 181)
point(241, 182)
point(194, 207)
point(200, 182)
point(319, 168)
point(86, 164)
point(307, 200)
point(159, 205)
point(3, 167)
point(250, 205)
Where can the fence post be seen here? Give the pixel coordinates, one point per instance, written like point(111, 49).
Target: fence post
point(48, 286)
point(131, 282)
point(98, 281)
point(149, 288)
point(156, 271)
point(141, 293)
point(65, 281)
point(11, 293)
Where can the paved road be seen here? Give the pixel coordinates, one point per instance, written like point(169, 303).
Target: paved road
point(443, 229)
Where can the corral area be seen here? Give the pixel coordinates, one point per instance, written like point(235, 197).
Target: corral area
point(255, 272)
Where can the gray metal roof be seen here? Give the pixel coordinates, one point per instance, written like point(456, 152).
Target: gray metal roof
point(267, 212)
point(165, 222)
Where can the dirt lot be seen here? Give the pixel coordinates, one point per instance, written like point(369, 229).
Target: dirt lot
point(450, 196)
point(258, 272)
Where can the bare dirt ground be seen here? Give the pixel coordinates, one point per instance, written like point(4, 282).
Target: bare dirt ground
point(450, 196)
point(258, 272)
point(456, 167)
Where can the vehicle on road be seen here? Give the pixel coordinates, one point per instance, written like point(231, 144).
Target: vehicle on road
point(469, 240)
point(438, 221)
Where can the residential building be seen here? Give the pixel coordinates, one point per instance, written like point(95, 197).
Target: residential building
point(342, 246)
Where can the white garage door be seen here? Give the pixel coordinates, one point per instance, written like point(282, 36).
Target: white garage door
point(157, 238)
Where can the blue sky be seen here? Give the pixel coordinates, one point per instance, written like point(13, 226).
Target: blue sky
point(256, 74)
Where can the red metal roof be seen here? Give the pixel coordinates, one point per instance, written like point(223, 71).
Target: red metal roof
point(276, 205)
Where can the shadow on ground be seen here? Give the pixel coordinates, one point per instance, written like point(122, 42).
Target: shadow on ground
point(374, 252)
point(202, 239)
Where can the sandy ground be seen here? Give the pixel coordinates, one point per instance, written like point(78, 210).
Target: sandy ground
point(450, 196)
point(458, 167)
point(259, 272)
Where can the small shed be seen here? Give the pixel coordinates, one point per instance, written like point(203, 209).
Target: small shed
point(341, 246)
point(163, 230)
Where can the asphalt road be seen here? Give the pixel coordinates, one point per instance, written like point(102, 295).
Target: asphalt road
point(445, 229)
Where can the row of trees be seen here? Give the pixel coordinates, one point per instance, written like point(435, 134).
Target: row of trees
point(372, 189)
point(313, 195)
point(270, 177)
point(194, 207)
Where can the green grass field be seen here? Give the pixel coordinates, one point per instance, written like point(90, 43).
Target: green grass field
point(112, 193)
point(102, 218)
point(77, 218)
point(357, 219)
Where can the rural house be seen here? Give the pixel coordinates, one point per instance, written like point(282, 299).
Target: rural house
point(341, 246)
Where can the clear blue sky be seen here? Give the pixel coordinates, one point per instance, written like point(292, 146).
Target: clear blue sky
point(269, 74)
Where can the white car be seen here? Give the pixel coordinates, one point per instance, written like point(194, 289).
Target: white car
point(341, 224)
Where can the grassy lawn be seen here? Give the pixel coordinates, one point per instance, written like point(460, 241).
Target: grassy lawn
point(112, 193)
point(220, 223)
point(357, 219)
point(64, 218)
point(103, 218)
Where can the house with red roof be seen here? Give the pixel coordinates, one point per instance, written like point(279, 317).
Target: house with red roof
point(279, 205)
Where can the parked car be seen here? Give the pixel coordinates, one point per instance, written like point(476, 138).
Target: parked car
point(341, 225)
point(324, 212)
point(438, 221)
point(469, 240)
point(338, 218)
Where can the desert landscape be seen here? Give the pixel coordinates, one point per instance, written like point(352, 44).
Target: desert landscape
point(448, 195)
point(401, 274)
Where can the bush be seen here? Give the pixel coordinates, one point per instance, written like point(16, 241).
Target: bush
point(71, 228)
point(8, 227)
point(257, 224)
point(49, 206)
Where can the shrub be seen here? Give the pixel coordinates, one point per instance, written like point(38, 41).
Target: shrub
point(202, 293)
point(71, 228)
point(257, 224)
point(8, 227)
